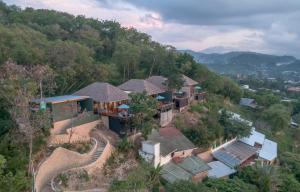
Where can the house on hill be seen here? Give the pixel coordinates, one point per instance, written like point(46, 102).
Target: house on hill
point(181, 98)
point(165, 108)
point(266, 149)
point(169, 148)
point(140, 86)
point(107, 99)
point(247, 102)
point(66, 111)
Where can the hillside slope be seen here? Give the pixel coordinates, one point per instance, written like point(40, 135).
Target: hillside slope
point(248, 63)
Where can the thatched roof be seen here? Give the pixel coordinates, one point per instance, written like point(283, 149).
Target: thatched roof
point(139, 86)
point(103, 92)
point(159, 81)
point(188, 81)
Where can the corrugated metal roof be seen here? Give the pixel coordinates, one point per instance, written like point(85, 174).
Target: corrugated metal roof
point(219, 170)
point(235, 153)
point(171, 172)
point(268, 150)
point(254, 137)
point(139, 86)
point(226, 158)
point(170, 139)
point(60, 99)
point(193, 165)
point(246, 101)
point(103, 92)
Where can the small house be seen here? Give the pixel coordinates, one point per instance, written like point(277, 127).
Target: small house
point(66, 111)
point(165, 108)
point(247, 102)
point(165, 144)
point(266, 149)
point(107, 101)
point(189, 86)
point(169, 148)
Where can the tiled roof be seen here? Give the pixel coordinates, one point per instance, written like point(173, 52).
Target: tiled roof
point(159, 81)
point(188, 81)
point(139, 86)
point(103, 92)
point(171, 140)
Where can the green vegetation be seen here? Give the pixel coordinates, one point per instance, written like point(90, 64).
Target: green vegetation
point(143, 108)
point(45, 53)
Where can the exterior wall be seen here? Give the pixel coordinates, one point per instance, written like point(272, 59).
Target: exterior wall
point(105, 120)
point(187, 90)
point(80, 134)
point(206, 156)
point(165, 159)
point(61, 126)
point(151, 153)
point(200, 176)
point(224, 145)
point(184, 153)
point(166, 118)
point(61, 159)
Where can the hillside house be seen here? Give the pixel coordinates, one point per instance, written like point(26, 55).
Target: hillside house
point(165, 107)
point(66, 111)
point(247, 102)
point(266, 149)
point(169, 148)
point(107, 99)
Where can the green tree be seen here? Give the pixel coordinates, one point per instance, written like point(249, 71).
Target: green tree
point(278, 116)
point(233, 128)
point(143, 109)
point(265, 177)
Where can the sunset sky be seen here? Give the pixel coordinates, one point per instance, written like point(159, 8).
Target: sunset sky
point(268, 26)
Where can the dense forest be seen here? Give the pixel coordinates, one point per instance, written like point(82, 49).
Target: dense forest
point(63, 53)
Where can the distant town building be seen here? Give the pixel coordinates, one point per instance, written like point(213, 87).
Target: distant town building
point(247, 102)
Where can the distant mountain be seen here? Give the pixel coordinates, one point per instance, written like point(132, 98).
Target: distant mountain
point(248, 63)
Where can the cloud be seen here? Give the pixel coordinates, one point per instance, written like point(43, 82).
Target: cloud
point(268, 26)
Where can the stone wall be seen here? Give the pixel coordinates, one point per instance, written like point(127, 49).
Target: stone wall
point(79, 134)
point(60, 160)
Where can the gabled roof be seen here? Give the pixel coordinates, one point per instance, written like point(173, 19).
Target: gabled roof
point(159, 81)
point(219, 170)
point(171, 172)
point(60, 99)
point(171, 140)
point(235, 154)
point(184, 170)
point(103, 92)
point(188, 81)
point(254, 137)
point(268, 150)
point(193, 165)
point(247, 102)
point(139, 86)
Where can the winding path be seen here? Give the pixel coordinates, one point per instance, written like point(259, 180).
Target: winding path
point(62, 160)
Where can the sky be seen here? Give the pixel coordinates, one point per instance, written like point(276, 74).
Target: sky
point(266, 26)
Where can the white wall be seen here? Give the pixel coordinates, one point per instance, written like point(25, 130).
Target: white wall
point(166, 118)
